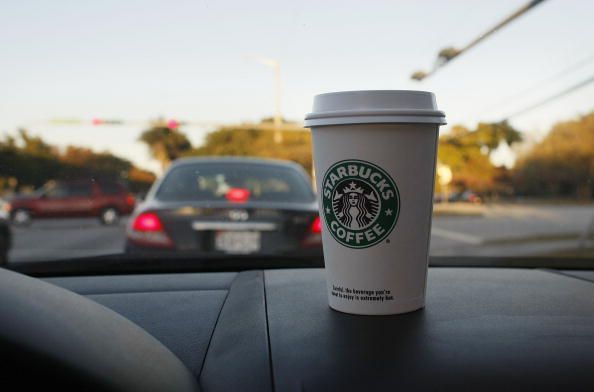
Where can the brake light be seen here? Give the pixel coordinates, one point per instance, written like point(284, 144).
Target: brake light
point(313, 238)
point(147, 221)
point(316, 226)
point(238, 195)
point(130, 200)
point(147, 229)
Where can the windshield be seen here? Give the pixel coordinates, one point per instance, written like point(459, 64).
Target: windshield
point(164, 128)
point(208, 182)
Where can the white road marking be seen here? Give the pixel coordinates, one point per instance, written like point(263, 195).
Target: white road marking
point(456, 236)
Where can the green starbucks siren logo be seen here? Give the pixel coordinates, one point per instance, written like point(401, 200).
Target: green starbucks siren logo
point(360, 203)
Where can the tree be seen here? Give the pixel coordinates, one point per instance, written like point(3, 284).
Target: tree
point(257, 140)
point(30, 161)
point(490, 135)
point(165, 143)
point(34, 145)
point(486, 136)
point(140, 180)
point(562, 164)
point(467, 153)
point(85, 162)
point(27, 161)
point(471, 168)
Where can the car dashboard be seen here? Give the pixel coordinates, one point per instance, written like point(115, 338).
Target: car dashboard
point(266, 330)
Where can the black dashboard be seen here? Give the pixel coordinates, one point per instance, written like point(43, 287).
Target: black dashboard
point(265, 330)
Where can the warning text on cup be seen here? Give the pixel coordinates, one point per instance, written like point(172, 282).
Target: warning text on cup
point(353, 294)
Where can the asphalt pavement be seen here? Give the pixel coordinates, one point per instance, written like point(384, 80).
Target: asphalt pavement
point(53, 239)
point(495, 230)
point(514, 230)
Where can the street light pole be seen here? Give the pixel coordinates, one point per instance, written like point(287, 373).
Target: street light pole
point(278, 136)
point(277, 119)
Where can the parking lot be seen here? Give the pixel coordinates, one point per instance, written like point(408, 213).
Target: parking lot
point(491, 230)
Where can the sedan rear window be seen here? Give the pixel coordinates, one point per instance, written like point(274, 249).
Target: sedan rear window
point(216, 182)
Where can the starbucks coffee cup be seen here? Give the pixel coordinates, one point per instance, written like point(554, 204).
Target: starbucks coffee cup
point(374, 156)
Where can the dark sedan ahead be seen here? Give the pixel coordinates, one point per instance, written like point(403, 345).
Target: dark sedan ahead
point(232, 206)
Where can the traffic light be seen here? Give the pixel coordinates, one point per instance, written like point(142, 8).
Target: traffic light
point(173, 124)
point(101, 121)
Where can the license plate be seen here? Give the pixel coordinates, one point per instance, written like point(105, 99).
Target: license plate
point(238, 242)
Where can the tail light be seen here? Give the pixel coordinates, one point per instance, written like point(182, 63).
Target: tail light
point(314, 235)
point(238, 195)
point(147, 229)
point(147, 221)
point(316, 226)
point(130, 200)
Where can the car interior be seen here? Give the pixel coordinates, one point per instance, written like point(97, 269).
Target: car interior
point(271, 329)
point(188, 188)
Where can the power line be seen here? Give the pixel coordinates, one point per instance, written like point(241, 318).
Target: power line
point(560, 94)
point(446, 55)
point(547, 80)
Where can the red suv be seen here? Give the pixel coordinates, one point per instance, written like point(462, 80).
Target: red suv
point(107, 200)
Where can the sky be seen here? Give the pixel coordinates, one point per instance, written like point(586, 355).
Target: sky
point(193, 61)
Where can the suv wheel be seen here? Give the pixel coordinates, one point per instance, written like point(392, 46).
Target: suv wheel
point(109, 216)
point(21, 217)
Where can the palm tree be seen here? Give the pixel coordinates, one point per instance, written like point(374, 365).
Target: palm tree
point(165, 143)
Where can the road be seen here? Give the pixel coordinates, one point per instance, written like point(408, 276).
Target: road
point(499, 230)
point(514, 230)
point(52, 239)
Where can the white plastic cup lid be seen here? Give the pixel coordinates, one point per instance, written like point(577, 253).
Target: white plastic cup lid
point(374, 106)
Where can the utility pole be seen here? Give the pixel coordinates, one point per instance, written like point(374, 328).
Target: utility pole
point(278, 136)
point(275, 65)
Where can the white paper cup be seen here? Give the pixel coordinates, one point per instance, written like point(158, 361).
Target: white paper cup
point(374, 156)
